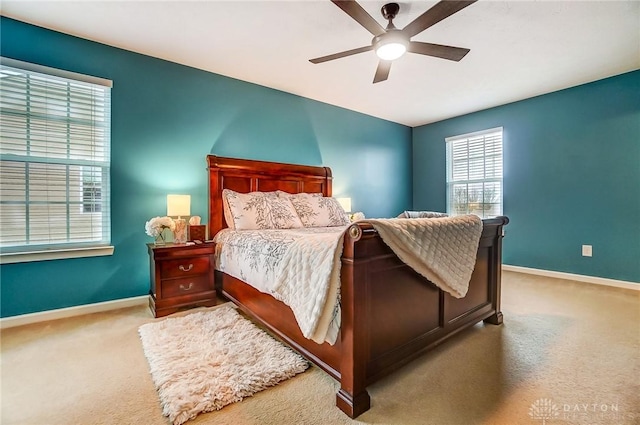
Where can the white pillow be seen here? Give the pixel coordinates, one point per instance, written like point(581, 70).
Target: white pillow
point(228, 216)
point(319, 211)
point(258, 210)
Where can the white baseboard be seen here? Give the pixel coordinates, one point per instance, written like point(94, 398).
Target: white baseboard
point(579, 277)
point(27, 319)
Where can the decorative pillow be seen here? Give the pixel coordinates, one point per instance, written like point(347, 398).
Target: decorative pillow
point(258, 210)
point(319, 211)
point(228, 216)
point(283, 213)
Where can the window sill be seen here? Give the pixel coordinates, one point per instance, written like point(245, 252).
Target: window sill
point(59, 254)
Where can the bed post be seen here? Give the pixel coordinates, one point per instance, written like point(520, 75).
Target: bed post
point(495, 275)
point(353, 398)
point(216, 221)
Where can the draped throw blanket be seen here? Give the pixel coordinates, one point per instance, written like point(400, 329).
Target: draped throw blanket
point(441, 249)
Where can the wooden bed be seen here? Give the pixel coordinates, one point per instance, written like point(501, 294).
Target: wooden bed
point(390, 314)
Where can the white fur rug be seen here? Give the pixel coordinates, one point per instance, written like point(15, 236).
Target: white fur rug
point(203, 361)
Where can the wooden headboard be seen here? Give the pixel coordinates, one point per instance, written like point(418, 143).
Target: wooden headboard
point(246, 175)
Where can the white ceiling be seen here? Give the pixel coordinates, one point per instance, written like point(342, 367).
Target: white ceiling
point(519, 49)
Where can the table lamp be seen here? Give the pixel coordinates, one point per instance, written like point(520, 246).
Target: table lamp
point(346, 204)
point(178, 206)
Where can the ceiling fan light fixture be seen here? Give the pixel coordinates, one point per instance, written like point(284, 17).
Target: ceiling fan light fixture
point(391, 45)
point(391, 51)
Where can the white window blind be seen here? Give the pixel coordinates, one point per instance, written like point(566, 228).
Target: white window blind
point(54, 159)
point(474, 173)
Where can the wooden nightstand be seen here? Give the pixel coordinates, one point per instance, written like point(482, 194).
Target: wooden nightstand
point(181, 277)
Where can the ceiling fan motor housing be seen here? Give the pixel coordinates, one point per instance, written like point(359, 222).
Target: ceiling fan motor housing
point(390, 10)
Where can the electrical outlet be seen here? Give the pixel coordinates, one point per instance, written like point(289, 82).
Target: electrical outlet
point(587, 251)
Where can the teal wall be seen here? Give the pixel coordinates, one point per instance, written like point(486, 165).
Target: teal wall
point(165, 119)
point(571, 176)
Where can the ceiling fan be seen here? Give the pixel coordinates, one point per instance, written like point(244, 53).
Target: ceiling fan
point(390, 43)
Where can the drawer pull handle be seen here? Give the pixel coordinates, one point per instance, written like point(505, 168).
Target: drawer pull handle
point(186, 288)
point(189, 267)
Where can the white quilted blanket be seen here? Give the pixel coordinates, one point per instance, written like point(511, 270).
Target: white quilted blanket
point(441, 249)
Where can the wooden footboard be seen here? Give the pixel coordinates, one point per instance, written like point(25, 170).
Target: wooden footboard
point(391, 314)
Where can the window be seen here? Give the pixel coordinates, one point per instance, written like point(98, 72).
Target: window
point(474, 173)
point(54, 160)
point(91, 191)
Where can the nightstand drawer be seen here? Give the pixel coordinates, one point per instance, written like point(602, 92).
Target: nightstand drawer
point(185, 286)
point(185, 267)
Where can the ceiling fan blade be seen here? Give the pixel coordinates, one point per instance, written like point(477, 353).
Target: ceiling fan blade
point(382, 73)
point(437, 13)
point(438, 50)
point(341, 54)
point(360, 15)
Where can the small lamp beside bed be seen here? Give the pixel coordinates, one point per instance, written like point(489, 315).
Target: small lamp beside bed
point(178, 206)
point(345, 203)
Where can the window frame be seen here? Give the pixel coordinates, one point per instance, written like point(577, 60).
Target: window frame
point(492, 180)
point(51, 250)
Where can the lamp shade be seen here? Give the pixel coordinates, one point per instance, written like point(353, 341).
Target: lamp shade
point(345, 203)
point(178, 205)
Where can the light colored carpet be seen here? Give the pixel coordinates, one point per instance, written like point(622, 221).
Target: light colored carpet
point(204, 361)
point(575, 344)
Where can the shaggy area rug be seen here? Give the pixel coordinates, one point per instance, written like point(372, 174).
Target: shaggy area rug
point(203, 361)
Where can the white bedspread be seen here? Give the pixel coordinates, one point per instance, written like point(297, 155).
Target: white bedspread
point(300, 267)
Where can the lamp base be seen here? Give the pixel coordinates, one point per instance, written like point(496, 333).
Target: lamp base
point(180, 232)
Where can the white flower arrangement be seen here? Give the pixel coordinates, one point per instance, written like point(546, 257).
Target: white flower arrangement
point(156, 225)
point(357, 216)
